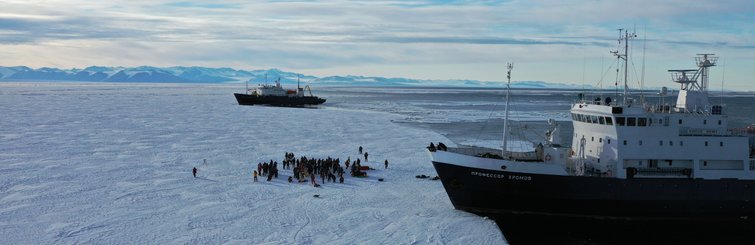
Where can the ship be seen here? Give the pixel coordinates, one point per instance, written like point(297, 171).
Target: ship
point(635, 172)
point(276, 95)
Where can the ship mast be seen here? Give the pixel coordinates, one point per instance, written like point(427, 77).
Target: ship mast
point(625, 38)
point(510, 66)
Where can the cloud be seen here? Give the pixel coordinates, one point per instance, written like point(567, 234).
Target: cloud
point(326, 35)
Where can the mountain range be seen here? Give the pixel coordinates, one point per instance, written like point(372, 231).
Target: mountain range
point(194, 74)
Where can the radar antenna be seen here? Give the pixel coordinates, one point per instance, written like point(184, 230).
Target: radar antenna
point(693, 95)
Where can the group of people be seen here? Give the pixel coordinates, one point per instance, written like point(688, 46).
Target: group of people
point(329, 169)
point(306, 169)
point(267, 169)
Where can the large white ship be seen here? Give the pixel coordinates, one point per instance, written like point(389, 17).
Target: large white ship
point(633, 169)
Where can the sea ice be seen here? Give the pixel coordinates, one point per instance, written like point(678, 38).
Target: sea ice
point(111, 164)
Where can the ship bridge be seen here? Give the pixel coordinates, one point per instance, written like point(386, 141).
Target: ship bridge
point(688, 139)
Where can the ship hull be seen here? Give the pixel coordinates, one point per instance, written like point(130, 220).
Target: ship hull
point(527, 205)
point(245, 99)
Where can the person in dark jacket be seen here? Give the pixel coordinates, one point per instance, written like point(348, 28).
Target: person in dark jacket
point(386, 163)
point(365, 156)
point(360, 149)
point(194, 171)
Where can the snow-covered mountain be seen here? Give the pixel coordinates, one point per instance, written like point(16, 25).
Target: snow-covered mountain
point(195, 74)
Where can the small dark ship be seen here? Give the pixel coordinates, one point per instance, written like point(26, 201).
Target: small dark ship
point(635, 173)
point(275, 95)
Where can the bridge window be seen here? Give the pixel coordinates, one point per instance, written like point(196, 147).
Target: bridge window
point(642, 122)
point(680, 121)
point(619, 121)
point(594, 119)
point(721, 143)
point(609, 121)
point(602, 120)
point(631, 121)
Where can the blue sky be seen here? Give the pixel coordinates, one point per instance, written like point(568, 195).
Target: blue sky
point(548, 40)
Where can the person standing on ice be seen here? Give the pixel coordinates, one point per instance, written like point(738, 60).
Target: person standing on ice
point(360, 149)
point(365, 156)
point(255, 175)
point(386, 163)
point(194, 171)
point(312, 177)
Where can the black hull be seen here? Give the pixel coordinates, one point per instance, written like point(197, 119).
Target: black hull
point(529, 207)
point(245, 99)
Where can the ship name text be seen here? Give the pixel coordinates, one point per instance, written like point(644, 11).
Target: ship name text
point(502, 176)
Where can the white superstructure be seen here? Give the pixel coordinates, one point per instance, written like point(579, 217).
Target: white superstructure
point(278, 90)
point(689, 139)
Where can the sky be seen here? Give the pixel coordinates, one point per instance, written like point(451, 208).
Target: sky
point(547, 40)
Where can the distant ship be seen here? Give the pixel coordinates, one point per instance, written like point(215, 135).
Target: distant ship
point(275, 95)
point(673, 172)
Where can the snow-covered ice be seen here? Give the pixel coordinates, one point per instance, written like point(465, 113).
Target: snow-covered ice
point(111, 164)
